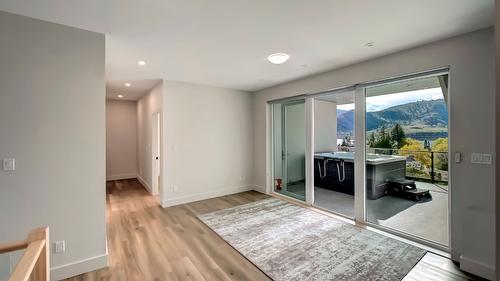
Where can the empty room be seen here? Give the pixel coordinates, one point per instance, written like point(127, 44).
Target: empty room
point(249, 140)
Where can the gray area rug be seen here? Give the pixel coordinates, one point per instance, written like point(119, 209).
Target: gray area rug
point(288, 242)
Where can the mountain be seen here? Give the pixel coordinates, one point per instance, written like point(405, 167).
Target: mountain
point(341, 111)
point(420, 116)
point(345, 121)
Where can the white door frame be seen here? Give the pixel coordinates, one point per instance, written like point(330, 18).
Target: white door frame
point(284, 147)
point(359, 155)
point(156, 153)
point(309, 150)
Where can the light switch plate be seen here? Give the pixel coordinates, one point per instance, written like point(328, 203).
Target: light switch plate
point(59, 246)
point(9, 164)
point(481, 158)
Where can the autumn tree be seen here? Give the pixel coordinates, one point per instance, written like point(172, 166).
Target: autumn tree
point(441, 159)
point(415, 148)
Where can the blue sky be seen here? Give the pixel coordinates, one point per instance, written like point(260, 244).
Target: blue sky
point(381, 102)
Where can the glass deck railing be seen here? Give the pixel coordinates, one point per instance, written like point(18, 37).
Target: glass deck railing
point(426, 165)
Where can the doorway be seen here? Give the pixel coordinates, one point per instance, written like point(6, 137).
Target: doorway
point(334, 153)
point(155, 153)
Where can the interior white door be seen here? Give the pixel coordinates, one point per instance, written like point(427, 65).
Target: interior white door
point(155, 152)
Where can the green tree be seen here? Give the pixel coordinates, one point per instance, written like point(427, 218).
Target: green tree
point(398, 136)
point(345, 141)
point(371, 139)
point(383, 139)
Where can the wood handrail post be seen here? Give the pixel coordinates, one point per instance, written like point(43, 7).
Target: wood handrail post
point(34, 264)
point(41, 271)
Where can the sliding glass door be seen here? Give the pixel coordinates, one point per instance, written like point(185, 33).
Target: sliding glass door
point(376, 152)
point(289, 148)
point(407, 157)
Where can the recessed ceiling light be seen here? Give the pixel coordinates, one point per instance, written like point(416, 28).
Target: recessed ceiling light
point(370, 44)
point(141, 63)
point(278, 58)
point(128, 84)
point(120, 96)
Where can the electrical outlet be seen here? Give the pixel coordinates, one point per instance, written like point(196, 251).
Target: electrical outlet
point(59, 247)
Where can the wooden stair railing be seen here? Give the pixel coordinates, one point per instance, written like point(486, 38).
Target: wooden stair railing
point(34, 263)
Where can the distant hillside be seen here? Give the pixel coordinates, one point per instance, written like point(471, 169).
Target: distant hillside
point(416, 118)
point(341, 111)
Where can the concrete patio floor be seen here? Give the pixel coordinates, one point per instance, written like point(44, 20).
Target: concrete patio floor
point(427, 219)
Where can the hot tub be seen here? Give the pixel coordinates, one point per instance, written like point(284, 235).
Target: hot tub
point(380, 168)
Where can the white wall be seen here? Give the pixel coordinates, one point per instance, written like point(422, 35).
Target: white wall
point(497, 119)
point(472, 129)
point(208, 148)
point(121, 139)
point(5, 268)
point(52, 121)
point(325, 126)
point(295, 148)
point(146, 106)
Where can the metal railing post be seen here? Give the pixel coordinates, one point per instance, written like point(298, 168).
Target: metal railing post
point(432, 167)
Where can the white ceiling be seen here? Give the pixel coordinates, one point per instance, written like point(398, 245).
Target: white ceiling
point(225, 42)
point(136, 90)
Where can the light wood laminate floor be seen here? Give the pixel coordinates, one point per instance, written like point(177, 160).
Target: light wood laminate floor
point(147, 242)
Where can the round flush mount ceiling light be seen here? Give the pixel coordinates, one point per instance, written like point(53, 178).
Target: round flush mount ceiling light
point(278, 58)
point(120, 96)
point(141, 63)
point(128, 84)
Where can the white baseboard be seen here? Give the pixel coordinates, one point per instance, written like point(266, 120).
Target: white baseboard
point(121, 177)
point(477, 268)
point(205, 195)
point(258, 188)
point(144, 183)
point(76, 268)
point(455, 256)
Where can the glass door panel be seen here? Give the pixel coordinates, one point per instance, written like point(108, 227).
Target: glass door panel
point(289, 148)
point(407, 157)
point(334, 153)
